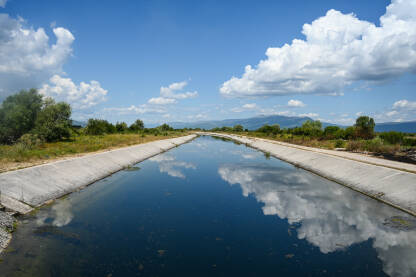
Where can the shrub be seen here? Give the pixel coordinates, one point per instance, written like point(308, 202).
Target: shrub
point(392, 137)
point(138, 125)
point(121, 127)
point(238, 128)
point(53, 121)
point(30, 141)
point(354, 145)
point(18, 115)
point(267, 129)
point(99, 127)
point(364, 127)
point(339, 143)
point(332, 132)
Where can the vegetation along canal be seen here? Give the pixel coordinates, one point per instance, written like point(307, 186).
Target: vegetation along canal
point(212, 207)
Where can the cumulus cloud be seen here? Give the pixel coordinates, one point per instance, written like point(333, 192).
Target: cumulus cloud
point(169, 95)
point(82, 96)
point(3, 3)
point(404, 105)
point(161, 101)
point(296, 103)
point(339, 49)
point(245, 107)
point(27, 59)
point(133, 109)
point(309, 115)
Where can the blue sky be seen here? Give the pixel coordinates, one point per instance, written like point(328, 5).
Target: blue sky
point(165, 61)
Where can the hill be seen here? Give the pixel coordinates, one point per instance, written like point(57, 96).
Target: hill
point(406, 127)
point(248, 123)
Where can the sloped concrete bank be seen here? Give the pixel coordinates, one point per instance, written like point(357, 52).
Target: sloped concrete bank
point(23, 189)
point(392, 186)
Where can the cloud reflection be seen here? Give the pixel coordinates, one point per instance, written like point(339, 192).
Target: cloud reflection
point(168, 164)
point(330, 216)
point(60, 214)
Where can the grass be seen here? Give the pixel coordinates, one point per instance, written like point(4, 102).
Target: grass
point(375, 146)
point(19, 155)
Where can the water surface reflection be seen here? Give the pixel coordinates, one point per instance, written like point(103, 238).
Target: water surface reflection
point(327, 215)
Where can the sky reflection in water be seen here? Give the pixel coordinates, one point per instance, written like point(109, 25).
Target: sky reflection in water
point(213, 208)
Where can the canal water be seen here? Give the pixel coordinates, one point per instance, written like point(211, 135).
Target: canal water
point(213, 208)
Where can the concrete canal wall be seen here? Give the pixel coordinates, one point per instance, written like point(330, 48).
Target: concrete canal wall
point(393, 183)
point(23, 189)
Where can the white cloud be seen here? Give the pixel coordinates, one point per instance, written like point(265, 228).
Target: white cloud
point(250, 106)
point(404, 105)
point(161, 101)
point(82, 96)
point(339, 49)
point(3, 3)
point(26, 57)
point(295, 103)
point(391, 113)
point(245, 107)
point(169, 92)
point(133, 109)
point(309, 115)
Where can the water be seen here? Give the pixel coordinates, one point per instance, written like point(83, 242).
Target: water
point(211, 207)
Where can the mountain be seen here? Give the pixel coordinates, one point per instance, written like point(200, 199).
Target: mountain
point(406, 127)
point(78, 123)
point(252, 123)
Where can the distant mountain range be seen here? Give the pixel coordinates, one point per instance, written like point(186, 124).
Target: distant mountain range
point(254, 123)
point(406, 127)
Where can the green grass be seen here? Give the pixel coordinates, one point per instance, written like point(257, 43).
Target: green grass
point(19, 155)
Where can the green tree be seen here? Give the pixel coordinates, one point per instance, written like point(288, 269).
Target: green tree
point(331, 132)
point(53, 121)
point(364, 127)
point(18, 114)
point(121, 127)
point(99, 127)
point(312, 128)
point(165, 127)
point(138, 125)
point(273, 129)
point(238, 128)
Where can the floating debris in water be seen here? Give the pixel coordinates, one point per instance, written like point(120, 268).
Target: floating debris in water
point(401, 223)
point(289, 256)
point(161, 252)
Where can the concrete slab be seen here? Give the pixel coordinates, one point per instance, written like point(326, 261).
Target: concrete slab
point(393, 183)
point(30, 187)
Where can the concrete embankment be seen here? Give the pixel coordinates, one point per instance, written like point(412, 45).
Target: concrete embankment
point(23, 189)
point(393, 183)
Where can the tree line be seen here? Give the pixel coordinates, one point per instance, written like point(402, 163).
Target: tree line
point(29, 117)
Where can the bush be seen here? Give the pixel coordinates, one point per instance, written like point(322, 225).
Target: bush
point(238, 128)
point(53, 121)
point(392, 137)
point(267, 129)
point(354, 145)
point(138, 125)
point(18, 115)
point(332, 132)
point(121, 127)
point(165, 127)
point(30, 141)
point(364, 127)
point(339, 143)
point(312, 128)
point(99, 127)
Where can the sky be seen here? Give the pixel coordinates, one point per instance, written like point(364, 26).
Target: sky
point(168, 61)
